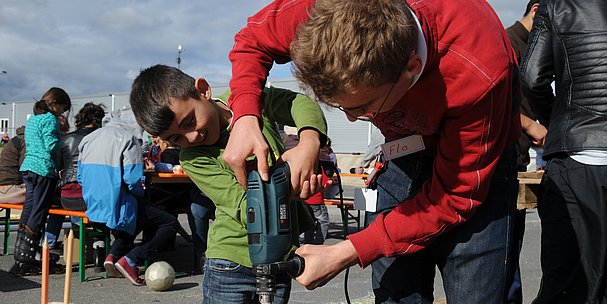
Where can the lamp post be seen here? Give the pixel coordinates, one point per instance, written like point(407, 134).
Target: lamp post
point(179, 50)
point(13, 111)
point(113, 101)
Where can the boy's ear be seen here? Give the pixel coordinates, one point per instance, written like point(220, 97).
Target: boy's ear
point(203, 88)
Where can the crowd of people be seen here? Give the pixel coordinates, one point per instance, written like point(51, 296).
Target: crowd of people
point(468, 96)
point(67, 169)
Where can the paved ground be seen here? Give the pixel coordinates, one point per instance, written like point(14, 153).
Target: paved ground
point(187, 289)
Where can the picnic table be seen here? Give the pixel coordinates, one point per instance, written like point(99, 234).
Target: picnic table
point(529, 191)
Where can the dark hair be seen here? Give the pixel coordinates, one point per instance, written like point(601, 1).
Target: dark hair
point(53, 96)
point(529, 5)
point(64, 124)
point(90, 114)
point(154, 90)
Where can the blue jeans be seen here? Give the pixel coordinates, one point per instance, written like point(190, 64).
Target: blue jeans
point(199, 215)
point(228, 282)
point(473, 257)
point(53, 229)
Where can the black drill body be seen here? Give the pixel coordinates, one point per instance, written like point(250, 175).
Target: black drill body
point(270, 226)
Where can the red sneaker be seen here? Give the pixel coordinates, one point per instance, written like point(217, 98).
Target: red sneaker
point(132, 274)
point(108, 264)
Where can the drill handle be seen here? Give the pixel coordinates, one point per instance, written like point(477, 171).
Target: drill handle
point(294, 266)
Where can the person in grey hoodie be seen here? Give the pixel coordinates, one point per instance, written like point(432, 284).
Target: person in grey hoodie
point(110, 171)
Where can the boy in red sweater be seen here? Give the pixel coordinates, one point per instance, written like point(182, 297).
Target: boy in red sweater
point(440, 71)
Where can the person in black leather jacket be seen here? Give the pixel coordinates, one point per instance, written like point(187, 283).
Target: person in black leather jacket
point(88, 120)
point(568, 45)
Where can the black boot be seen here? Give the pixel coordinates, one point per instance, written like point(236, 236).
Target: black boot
point(27, 247)
point(26, 269)
point(19, 237)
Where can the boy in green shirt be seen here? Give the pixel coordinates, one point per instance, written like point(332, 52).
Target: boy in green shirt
point(179, 108)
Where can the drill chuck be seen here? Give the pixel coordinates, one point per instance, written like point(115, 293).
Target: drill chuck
point(265, 276)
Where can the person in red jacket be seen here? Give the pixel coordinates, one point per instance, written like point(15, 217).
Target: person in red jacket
point(438, 78)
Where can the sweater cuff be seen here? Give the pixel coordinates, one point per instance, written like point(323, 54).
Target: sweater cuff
point(365, 244)
point(246, 104)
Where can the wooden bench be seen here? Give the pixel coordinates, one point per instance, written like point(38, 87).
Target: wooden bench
point(58, 211)
point(348, 202)
point(345, 207)
point(529, 191)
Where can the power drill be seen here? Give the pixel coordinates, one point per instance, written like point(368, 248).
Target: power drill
point(270, 225)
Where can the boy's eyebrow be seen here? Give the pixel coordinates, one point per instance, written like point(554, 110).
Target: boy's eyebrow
point(186, 119)
point(183, 120)
point(180, 124)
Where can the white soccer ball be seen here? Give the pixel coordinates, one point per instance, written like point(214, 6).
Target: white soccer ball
point(160, 276)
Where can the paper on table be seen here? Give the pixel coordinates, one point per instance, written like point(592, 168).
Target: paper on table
point(365, 199)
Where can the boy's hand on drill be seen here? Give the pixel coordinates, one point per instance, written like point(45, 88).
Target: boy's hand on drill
point(246, 140)
point(303, 161)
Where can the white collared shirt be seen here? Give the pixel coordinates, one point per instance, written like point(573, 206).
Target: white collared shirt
point(422, 47)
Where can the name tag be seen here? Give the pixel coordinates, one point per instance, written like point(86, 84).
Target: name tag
point(403, 146)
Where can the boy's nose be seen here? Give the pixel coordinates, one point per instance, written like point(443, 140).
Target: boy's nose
point(192, 137)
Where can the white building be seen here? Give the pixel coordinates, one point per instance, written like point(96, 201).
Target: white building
point(347, 137)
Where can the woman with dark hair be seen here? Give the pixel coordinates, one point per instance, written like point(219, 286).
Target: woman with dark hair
point(39, 176)
point(88, 120)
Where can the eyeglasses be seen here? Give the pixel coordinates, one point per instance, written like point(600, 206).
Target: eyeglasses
point(359, 112)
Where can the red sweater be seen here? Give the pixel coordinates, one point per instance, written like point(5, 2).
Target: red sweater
point(462, 105)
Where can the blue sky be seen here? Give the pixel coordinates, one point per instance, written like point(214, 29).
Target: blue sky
point(94, 47)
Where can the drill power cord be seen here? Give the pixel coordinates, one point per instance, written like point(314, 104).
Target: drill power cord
point(341, 207)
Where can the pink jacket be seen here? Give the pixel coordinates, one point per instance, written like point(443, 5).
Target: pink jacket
point(462, 105)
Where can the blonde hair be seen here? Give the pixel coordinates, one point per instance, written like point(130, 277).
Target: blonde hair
point(349, 43)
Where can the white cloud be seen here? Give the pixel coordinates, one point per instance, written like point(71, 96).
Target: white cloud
point(92, 47)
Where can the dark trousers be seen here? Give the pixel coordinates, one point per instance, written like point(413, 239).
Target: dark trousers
point(158, 226)
point(515, 292)
point(573, 214)
point(39, 195)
